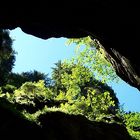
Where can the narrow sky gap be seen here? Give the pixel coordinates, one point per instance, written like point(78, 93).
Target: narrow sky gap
point(37, 54)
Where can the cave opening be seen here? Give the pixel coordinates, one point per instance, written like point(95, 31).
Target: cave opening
point(41, 55)
point(72, 84)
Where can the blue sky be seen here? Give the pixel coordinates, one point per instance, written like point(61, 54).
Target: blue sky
point(36, 54)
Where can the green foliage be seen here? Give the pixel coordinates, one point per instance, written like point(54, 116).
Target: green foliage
point(84, 94)
point(17, 79)
point(7, 56)
point(57, 72)
point(132, 121)
point(78, 87)
point(28, 91)
point(81, 81)
point(93, 57)
point(31, 96)
point(93, 106)
point(8, 88)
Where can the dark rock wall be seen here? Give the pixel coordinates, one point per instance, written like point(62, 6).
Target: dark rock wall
point(56, 126)
point(71, 127)
point(114, 23)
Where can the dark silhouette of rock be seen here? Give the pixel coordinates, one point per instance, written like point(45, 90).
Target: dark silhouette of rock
point(114, 23)
point(56, 126)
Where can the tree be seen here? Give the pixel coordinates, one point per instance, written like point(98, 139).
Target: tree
point(7, 56)
point(31, 96)
point(85, 79)
point(56, 76)
point(83, 93)
point(57, 73)
point(17, 79)
point(93, 57)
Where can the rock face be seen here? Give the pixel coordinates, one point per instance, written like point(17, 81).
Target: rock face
point(62, 126)
point(57, 126)
point(114, 23)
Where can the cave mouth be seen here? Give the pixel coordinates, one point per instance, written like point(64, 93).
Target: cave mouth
point(123, 90)
point(77, 86)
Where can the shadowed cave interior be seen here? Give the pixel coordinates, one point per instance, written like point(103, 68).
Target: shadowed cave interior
point(120, 41)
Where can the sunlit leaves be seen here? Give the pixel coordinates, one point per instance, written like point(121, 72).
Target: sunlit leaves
point(132, 121)
point(31, 91)
point(77, 87)
point(91, 102)
point(93, 57)
point(88, 64)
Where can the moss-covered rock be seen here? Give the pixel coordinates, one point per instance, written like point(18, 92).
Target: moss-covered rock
point(55, 126)
point(60, 126)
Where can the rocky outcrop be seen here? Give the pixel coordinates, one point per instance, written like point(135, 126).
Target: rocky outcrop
point(61, 126)
point(56, 126)
point(114, 23)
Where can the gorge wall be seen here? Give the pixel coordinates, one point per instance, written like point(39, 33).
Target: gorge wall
point(114, 23)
